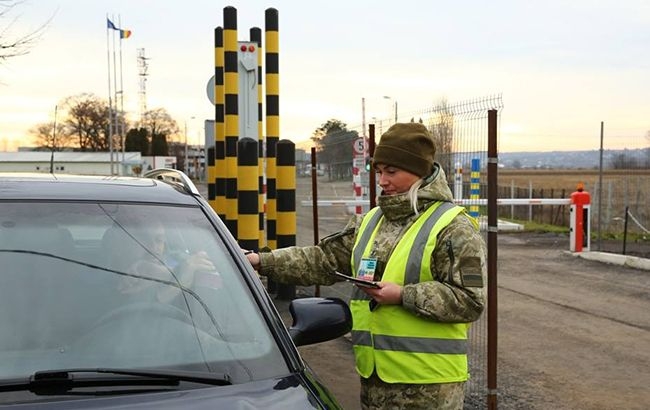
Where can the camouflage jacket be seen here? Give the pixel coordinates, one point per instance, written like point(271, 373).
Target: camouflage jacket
point(456, 295)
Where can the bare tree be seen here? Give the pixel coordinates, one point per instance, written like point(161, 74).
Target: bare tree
point(442, 129)
point(87, 122)
point(159, 122)
point(334, 142)
point(161, 128)
point(14, 44)
point(624, 161)
point(45, 136)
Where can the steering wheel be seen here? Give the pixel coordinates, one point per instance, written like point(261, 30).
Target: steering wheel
point(148, 310)
point(140, 334)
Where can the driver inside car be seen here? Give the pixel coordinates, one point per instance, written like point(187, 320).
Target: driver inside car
point(155, 263)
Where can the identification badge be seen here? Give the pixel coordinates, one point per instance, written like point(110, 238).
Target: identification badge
point(367, 269)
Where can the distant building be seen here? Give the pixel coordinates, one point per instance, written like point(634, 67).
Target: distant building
point(196, 162)
point(149, 163)
point(84, 163)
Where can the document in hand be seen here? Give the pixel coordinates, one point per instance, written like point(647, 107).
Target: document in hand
point(357, 281)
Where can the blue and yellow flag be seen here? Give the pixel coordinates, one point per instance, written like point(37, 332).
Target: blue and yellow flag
point(110, 24)
point(123, 33)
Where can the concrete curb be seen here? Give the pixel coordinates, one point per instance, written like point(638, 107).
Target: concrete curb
point(615, 259)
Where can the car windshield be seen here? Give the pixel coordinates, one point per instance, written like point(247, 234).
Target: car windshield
point(105, 285)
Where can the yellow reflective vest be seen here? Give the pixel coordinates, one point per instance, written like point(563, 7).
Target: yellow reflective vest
point(400, 346)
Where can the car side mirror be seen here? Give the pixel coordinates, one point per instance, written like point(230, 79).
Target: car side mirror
point(317, 320)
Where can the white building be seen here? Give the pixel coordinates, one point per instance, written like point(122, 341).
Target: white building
point(149, 163)
point(84, 163)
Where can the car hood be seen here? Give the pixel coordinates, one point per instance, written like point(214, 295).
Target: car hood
point(291, 392)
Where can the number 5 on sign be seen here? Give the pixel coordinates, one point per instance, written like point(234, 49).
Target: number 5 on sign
point(359, 146)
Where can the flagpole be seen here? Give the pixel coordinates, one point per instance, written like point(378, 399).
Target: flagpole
point(115, 113)
point(122, 120)
point(110, 95)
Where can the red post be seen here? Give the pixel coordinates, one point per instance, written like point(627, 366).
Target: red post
point(580, 226)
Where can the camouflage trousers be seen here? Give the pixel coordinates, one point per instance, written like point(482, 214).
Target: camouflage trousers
point(378, 395)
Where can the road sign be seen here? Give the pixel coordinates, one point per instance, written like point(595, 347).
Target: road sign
point(364, 176)
point(209, 88)
point(359, 146)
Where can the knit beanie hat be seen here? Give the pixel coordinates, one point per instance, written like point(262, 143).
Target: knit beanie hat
point(408, 146)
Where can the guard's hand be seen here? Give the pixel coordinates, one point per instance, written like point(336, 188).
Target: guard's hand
point(388, 293)
point(253, 258)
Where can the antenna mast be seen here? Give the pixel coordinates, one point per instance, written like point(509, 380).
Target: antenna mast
point(143, 67)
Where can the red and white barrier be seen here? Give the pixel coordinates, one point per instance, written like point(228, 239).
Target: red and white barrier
point(580, 227)
point(580, 236)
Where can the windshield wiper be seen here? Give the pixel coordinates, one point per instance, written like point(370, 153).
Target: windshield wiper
point(51, 381)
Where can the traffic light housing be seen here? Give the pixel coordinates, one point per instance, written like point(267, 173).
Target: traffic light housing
point(368, 164)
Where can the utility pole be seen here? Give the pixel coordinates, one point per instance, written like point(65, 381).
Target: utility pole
point(393, 108)
point(185, 164)
point(143, 68)
point(53, 141)
point(395, 111)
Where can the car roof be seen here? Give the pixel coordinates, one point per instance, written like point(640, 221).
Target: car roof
point(57, 187)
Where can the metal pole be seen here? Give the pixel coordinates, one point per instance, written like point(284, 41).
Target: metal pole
point(627, 210)
point(122, 125)
point(110, 95)
point(492, 228)
point(363, 118)
point(53, 142)
point(115, 115)
point(530, 195)
point(314, 206)
point(372, 182)
point(600, 184)
point(512, 195)
point(185, 164)
point(389, 98)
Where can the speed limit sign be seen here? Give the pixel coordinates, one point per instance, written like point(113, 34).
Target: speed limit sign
point(359, 146)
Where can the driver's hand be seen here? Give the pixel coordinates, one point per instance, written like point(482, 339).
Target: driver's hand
point(198, 270)
point(197, 262)
point(130, 285)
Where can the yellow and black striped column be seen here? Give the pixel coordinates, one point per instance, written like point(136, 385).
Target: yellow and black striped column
point(272, 121)
point(219, 131)
point(286, 203)
point(211, 175)
point(256, 36)
point(231, 113)
point(247, 194)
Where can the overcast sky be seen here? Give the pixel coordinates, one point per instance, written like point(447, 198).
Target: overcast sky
point(561, 67)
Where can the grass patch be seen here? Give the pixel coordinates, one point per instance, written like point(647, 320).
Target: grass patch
point(532, 226)
point(619, 236)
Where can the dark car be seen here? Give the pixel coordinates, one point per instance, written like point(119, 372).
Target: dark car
point(131, 293)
